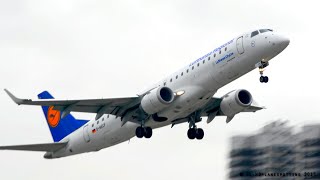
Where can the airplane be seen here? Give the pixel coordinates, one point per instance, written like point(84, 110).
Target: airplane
point(183, 97)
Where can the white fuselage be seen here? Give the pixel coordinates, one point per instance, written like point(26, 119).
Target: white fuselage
point(199, 80)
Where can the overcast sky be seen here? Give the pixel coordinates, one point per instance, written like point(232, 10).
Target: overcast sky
point(93, 49)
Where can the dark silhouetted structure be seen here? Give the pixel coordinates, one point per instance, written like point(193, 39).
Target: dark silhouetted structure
point(276, 152)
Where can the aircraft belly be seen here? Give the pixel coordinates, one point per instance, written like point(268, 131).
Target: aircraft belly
point(194, 98)
point(119, 134)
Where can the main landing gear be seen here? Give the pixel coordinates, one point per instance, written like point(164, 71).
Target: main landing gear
point(143, 131)
point(262, 65)
point(193, 131)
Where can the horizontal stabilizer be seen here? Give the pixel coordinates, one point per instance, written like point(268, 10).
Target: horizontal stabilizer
point(49, 147)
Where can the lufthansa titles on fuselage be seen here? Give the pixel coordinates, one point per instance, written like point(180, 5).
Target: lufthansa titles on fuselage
point(209, 54)
point(224, 57)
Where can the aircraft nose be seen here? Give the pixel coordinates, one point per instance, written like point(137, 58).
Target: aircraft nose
point(282, 41)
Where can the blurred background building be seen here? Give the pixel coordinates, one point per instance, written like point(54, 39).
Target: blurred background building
point(276, 152)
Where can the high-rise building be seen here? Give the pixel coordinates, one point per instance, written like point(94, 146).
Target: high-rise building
point(308, 152)
point(275, 152)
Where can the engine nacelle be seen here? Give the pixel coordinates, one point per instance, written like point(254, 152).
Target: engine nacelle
point(235, 102)
point(157, 100)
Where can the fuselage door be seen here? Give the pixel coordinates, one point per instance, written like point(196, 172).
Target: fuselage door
point(86, 133)
point(240, 45)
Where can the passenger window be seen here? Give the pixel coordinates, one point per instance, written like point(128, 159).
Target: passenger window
point(181, 73)
point(208, 58)
point(192, 67)
point(165, 83)
point(254, 33)
point(171, 80)
point(225, 49)
point(198, 64)
point(220, 52)
point(102, 119)
point(177, 77)
point(214, 55)
point(108, 116)
point(97, 122)
point(203, 61)
point(187, 70)
point(92, 125)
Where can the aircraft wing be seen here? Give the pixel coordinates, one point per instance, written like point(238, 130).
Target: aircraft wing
point(214, 105)
point(253, 108)
point(212, 109)
point(114, 106)
point(49, 147)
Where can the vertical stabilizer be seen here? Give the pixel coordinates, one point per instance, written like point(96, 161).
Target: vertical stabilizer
point(59, 127)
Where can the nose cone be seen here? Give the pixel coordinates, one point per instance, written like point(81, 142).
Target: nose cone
point(274, 45)
point(284, 41)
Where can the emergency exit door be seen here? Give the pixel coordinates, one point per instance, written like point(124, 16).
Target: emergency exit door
point(240, 45)
point(86, 133)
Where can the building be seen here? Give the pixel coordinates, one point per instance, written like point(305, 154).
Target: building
point(308, 156)
point(275, 152)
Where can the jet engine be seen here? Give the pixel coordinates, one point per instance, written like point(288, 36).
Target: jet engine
point(157, 100)
point(235, 102)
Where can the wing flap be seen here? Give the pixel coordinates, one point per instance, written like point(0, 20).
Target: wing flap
point(48, 147)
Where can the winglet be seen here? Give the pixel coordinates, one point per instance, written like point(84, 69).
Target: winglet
point(15, 99)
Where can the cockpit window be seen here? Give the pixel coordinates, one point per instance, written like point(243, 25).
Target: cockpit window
point(254, 33)
point(265, 30)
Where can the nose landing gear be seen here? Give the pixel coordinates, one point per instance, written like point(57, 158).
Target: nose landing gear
point(263, 79)
point(261, 65)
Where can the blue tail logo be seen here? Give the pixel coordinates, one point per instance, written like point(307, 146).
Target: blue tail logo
point(59, 127)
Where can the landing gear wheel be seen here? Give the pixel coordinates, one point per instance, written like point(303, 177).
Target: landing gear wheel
point(192, 133)
point(147, 132)
point(139, 132)
point(261, 79)
point(262, 65)
point(264, 79)
point(200, 133)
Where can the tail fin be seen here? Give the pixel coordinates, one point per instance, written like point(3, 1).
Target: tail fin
point(59, 128)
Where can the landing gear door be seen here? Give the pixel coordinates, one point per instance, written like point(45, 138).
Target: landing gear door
point(86, 133)
point(240, 45)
